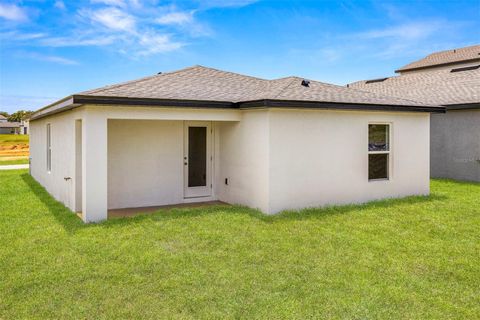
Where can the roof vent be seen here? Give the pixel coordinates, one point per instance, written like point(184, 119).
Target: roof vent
point(375, 80)
point(306, 83)
point(465, 68)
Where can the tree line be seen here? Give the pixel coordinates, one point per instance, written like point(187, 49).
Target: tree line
point(16, 116)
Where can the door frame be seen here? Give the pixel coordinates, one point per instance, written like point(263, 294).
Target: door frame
point(203, 191)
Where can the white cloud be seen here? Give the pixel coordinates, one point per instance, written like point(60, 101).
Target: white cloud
point(55, 59)
point(12, 12)
point(179, 18)
point(59, 4)
point(226, 3)
point(77, 42)
point(16, 36)
point(410, 31)
point(152, 43)
point(117, 3)
point(114, 19)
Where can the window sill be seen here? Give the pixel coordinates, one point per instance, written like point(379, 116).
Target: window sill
point(374, 180)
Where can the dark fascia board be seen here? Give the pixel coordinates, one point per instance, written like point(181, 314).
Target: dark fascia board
point(337, 106)
point(437, 65)
point(463, 106)
point(127, 101)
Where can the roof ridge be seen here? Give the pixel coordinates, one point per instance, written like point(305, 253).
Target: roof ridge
point(138, 80)
point(231, 72)
point(286, 86)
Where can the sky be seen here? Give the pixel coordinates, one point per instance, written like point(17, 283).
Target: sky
point(51, 49)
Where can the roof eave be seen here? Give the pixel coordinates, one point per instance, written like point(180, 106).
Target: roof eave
point(463, 106)
point(266, 103)
point(403, 69)
point(130, 101)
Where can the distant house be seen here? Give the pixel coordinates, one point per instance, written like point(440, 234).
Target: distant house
point(9, 127)
point(452, 79)
point(201, 134)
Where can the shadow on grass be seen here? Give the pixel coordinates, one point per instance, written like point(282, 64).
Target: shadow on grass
point(303, 214)
point(62, 214)
point(72, 223)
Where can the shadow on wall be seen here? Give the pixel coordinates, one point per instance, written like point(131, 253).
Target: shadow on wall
point(72, 223)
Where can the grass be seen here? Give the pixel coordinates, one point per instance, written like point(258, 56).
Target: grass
point(413, 258)
point(16, 161)
point(14, 149)
point(8, 139)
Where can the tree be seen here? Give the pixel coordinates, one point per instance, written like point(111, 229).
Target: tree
point(19, 115)
point(4, 113)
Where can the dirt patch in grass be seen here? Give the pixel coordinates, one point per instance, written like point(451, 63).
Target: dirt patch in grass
point(14, 148)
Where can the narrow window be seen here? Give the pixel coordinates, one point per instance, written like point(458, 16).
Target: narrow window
point(378, 151)
point(49, 149)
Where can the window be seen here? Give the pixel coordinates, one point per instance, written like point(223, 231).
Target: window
point(49, 149)
point(378, 151)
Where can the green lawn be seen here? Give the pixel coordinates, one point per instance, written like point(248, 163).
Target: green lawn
point(414, 258)
point(13, 138)
point(10, 162)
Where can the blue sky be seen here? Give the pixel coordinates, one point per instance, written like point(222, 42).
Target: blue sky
point(50, 49)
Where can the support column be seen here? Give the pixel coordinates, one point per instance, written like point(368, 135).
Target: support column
point(94, 167)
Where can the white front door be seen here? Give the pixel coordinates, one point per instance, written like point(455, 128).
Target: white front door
point(197, 159)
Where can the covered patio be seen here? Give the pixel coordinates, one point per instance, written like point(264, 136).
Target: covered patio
point(134, 160)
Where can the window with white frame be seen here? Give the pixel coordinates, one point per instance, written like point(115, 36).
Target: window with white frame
point(49, 149)
point(379, 151)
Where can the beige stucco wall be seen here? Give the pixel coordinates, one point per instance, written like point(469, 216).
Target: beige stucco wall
point(243, 159)
point(62, 128)
point(145, 166)
point(320, 158)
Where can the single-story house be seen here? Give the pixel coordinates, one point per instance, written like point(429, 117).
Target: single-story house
point(201, 134)
point(452, 79)
point(13, 127)
point(9, 127)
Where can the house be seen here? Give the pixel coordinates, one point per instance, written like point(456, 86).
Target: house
point(13, 127)
point(201, 134)
point(452, 79)
point(8, 127)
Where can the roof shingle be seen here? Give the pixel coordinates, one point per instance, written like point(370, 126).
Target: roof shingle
point(471, 53)
point(438, 87)
point(208, 84)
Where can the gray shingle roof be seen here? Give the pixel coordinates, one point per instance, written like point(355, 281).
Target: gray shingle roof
point(202, 83)
point(471, 53)
point(9, 124)
point(438, 87)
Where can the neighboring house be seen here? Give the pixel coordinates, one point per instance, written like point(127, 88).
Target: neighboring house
point(452, 79)
point(13, 127)
point(24, 126)
point(8, 127)
point(200, 134)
